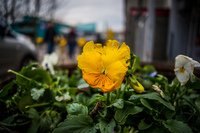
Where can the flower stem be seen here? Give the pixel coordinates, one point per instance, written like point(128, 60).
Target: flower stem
point(118, 92)
point(108, 98)
point(16, 73)
point(122, 95)
point(37, 105)
point(181, 95)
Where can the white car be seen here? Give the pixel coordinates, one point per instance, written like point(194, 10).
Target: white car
point(16, 50)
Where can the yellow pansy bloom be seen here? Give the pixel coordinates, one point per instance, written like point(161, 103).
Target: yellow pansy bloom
point(63, 42)
point(81, 41)
point(104, 67)
point(139, 88)
point(39, 40)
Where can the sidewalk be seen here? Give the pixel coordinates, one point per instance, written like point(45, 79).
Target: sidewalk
point(63, 60)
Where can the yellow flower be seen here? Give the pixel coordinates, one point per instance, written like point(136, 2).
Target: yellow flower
point(63, 42)
point(39, 40)
point(104, 67)
point(138, 88)
point(81, 41)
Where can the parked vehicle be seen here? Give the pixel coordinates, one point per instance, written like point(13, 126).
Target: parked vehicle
point(16, 50)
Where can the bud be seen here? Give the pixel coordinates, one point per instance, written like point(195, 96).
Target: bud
point(138, 88)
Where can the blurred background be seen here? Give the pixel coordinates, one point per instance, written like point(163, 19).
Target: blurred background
point(155, 30)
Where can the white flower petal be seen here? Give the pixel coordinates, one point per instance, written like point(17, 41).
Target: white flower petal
point(189, 68)
point(53, 58)
point(195, 63)
point(182, 77)
point(50, 66)
point(59, 98)
point(180, 61)
point(67, 96)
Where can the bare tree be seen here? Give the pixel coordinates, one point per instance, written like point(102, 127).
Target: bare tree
point(15, 9)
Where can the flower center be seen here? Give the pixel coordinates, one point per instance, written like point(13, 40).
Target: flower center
point(104, 72)
point(182, 70)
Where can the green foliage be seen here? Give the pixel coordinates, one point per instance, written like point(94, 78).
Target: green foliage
point(153, 96)
point(76, 124)
point(177, 126)
point(5, 89)
point(76, 109)
point(107, 127)
point(143, 125)
point(129, 109)
point(38, 102)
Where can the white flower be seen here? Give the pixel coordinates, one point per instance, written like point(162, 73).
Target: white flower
point(66, 96)
point(53, 58)
point(184, 67)
point(49, 61)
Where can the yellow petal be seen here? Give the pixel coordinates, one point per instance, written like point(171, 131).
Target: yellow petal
point(115, 53)
point(90, 62)
point(89, 46)
point(116, 73)
point(124, 52)
point(99, 81)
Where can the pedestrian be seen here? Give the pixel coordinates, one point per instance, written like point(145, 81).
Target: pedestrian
point(49, 37)
point(71, 39)
point(98, 39)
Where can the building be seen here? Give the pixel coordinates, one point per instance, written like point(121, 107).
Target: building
point(159, 30)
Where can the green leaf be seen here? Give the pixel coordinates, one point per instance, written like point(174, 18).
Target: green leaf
point(45, 123)
point(197, 102)
point(95, 99)
point(35, 122)
point(193, 85)
point(37, 74)
point(4, 91)
point(72, 91)
point(192, 104)
point(56, 118)
point(73, 81)
point(119, 103)
point(106, 127)
point(9, 120)
point(128, 129)
point(76, 124)
point(177, 126)
point(33, 114)
point(49, 95)
point(76, 109)
point(133, 80)
point(103, 112)
point(82, 98)
point(153, 96)
point(146, 103)
point(36, 93)
point(122, 114)
point(149, 69)
point(25, 101)
point(143, 125)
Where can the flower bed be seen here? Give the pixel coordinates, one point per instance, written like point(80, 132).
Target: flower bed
point(109, 92)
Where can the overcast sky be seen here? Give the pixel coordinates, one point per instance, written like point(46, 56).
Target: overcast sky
point(105, 13)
